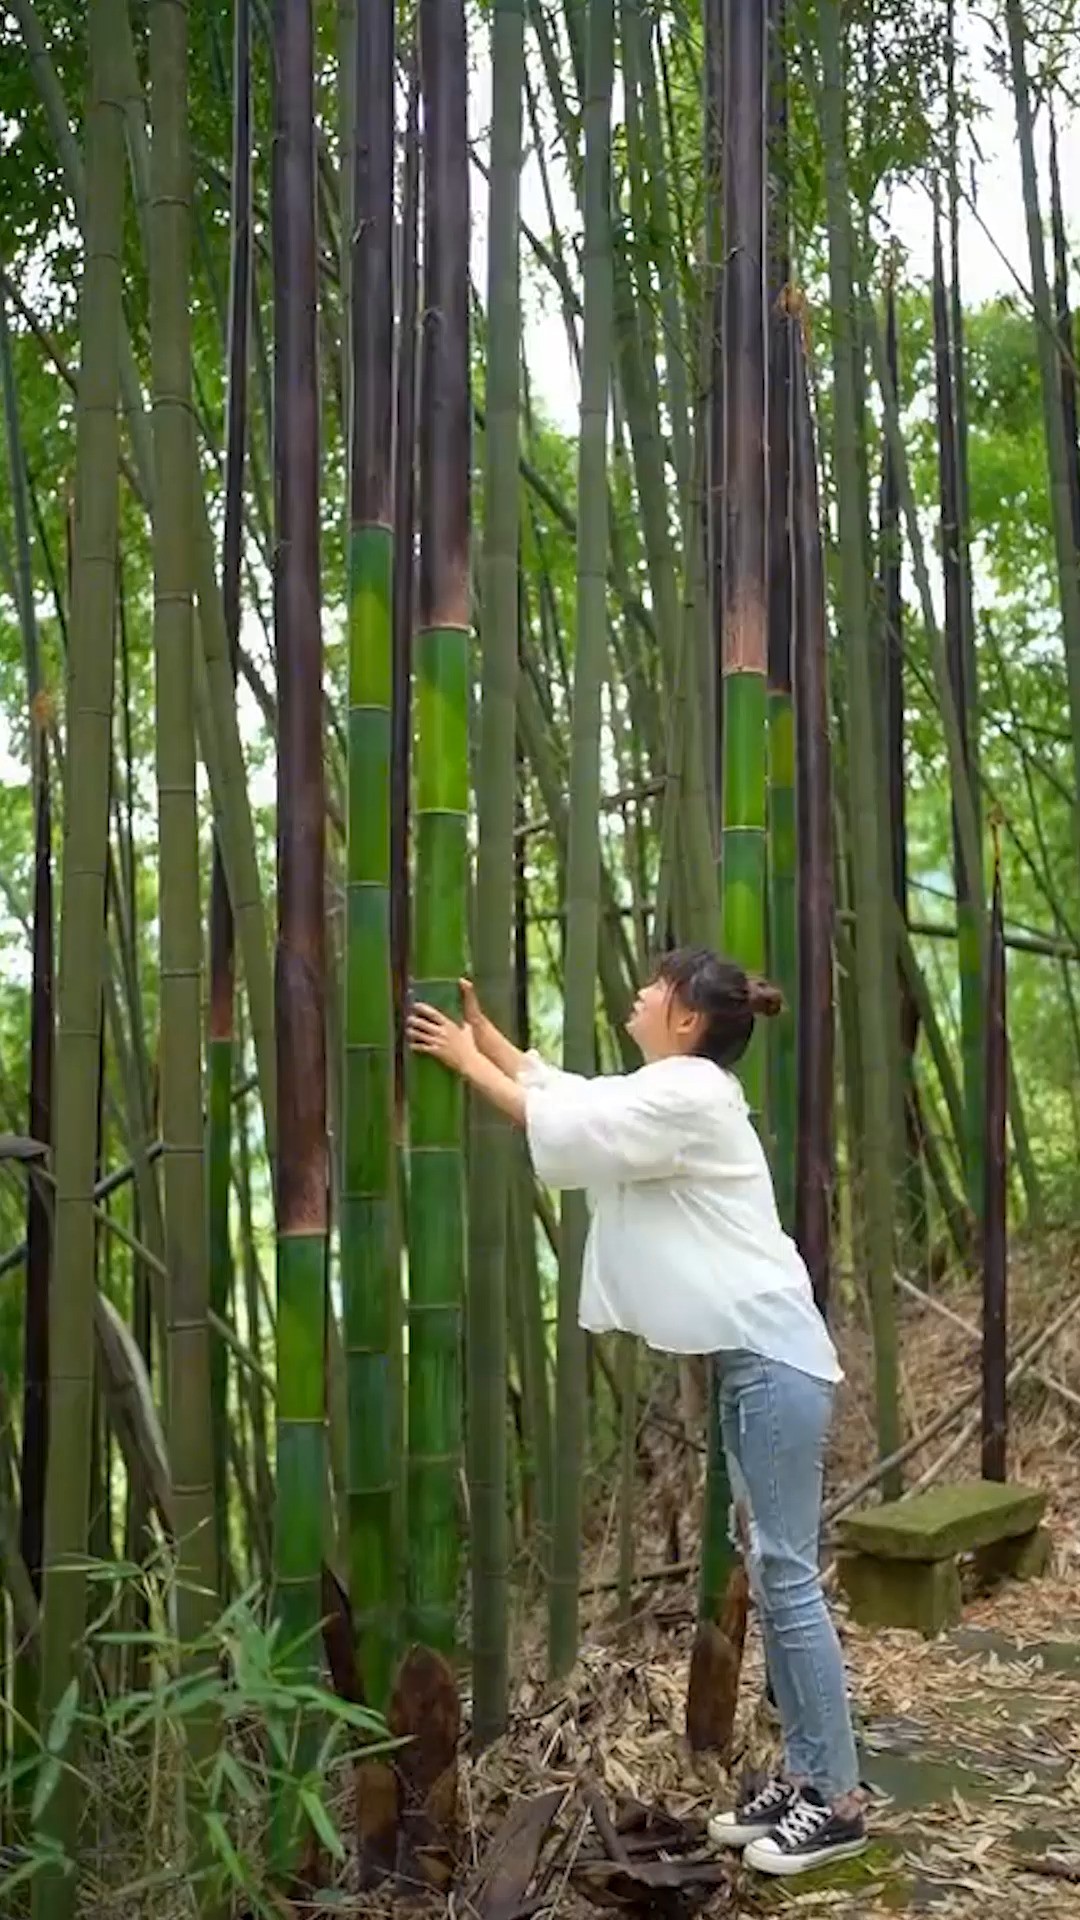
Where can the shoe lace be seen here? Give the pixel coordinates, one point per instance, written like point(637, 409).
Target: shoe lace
point(775, 1793)
point(803, 1819)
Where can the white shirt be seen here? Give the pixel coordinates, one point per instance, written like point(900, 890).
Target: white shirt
point(685, 1246)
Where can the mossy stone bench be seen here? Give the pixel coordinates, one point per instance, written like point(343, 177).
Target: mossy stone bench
point(898, 1563)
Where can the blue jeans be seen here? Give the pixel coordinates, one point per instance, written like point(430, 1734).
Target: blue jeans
point(775, 1423)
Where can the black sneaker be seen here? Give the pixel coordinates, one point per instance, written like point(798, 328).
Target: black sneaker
point(808, 1835)
point(758, 1811)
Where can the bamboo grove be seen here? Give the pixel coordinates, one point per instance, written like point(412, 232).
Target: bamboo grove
point(486, 493)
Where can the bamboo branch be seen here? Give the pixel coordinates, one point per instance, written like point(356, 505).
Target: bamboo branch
point(1047, 1380)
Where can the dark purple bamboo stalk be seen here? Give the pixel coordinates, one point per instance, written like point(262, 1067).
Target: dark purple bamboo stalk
point(950, 512)
point(714, 492)
point(300, 959)
point(404, 565)
point(813, 1150)
point(1066, 331)
point(222, 929)
point(893, 608)
point(995, 1188)
point(781, 323)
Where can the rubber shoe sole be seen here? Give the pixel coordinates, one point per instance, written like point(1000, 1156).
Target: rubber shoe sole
point(764, 1856)
point(726, 1831)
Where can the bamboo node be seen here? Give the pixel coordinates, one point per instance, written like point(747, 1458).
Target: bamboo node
point(42, 711)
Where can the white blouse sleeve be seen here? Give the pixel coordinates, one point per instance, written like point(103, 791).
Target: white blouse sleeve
point(608, 1131)
point(538, 1073)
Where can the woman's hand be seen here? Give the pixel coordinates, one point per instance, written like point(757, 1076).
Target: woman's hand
point(456, 1047)
point(439, 1038)
point(490, 1042)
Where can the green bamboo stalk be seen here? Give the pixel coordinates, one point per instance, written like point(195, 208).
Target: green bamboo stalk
point(815, 1153)
point(42, 1028)
point(583, 852)
point(369, 1266)
point(71, 1319)
point(35, 1426)
point(35, 1434)
point(491, 1144)
point(436, 1213)
point(300, 972)
point(670, 264)
point(254, 1288)
point(20, 516)
point(190, 1435)
point(874, 951)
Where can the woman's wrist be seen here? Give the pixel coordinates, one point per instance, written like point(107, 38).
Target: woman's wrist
point(484, 1032)
point(500, 1089)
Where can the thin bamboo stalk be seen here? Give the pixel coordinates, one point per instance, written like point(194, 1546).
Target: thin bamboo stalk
point(963, 800)
point(816, 1023)
point(190, 1433)
point(890, 551)
point(995, 1254)
point(583, 850)
point(782, 830)
point(35, 1433)
point(1066, 331)
point(67, 1488)
point(1057, 453)
point(222, 929)
point(969, 944)
point(35, 1424)
point(491, 1163)
point(874, 953)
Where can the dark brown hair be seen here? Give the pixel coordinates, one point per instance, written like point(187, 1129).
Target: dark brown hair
point(728, 998)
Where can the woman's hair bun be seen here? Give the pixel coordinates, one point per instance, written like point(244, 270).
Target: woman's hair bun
point(766, 1001)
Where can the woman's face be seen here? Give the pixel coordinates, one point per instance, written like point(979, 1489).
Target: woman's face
point(660, 1025)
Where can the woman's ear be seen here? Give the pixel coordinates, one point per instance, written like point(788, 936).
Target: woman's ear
point(689, 1026)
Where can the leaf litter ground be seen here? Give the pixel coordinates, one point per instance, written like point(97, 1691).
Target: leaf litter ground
point(971, 1744)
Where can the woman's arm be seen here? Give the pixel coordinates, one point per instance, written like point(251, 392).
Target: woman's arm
point(491, 1043)
point(582, 1133)
point(439, 1038)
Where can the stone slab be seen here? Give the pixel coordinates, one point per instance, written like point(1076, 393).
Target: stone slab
point(944, 1521)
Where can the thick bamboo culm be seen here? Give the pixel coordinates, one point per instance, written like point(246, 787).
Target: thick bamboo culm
point(370, 1268)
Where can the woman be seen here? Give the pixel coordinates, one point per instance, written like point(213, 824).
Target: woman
point(686, 1249)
